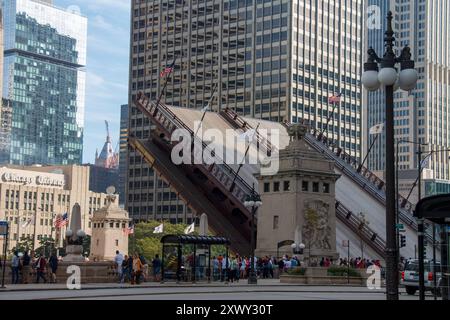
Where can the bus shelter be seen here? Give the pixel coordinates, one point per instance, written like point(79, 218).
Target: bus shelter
point(188, 258)
point(435, 209)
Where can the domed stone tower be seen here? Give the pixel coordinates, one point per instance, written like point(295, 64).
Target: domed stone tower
point(108, 231)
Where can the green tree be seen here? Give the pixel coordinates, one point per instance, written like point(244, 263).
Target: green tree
point(25, 243)
point(147, 243)
point(46, 245)
point(87, 246)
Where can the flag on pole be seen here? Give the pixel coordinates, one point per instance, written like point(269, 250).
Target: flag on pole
point(425, 162)
point(335, 98)
point(190, 229)
point(168, 69)
point(159, 229)
point(377, 129)
point(27, 223)
point(129, 230)
point(249, 134)
point(205, 108)
point(61, 220)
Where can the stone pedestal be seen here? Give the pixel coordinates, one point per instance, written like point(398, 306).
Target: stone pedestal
point(298, 203)
point(74, 253)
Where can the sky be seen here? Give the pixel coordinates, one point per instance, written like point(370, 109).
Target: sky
point(107, 68)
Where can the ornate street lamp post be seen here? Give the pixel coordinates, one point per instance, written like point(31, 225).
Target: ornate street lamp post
point(253, 202)
point(389, 77)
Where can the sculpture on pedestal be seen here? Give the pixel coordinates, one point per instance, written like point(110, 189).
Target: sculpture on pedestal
point(75, 236)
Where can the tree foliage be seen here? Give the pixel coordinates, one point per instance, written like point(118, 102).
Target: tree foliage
point(25, 243)
point(147, 243)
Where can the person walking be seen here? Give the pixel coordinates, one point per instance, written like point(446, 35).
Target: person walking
point(242, 267)
point(15, 265)
point(26, 267)
point(118, 259)
point(215, 268)
point(53, 262)
point(124, 268)
point(156, 268)
point(137, 269)
point(41, 263)
point(130, 268)
point(144, 268)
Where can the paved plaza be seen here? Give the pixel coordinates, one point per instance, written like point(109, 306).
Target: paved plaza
point(265, 290)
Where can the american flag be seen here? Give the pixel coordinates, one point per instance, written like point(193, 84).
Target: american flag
point(129, 230)
point(336, 98)
point(61, 220)
point(168, 69)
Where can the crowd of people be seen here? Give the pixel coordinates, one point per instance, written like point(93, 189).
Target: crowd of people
point(359, 263)
point(134, 269)
point(23, 266)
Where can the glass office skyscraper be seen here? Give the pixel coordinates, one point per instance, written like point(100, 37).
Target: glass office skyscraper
point(421, 115)
point(274, 60)
point(44, 75)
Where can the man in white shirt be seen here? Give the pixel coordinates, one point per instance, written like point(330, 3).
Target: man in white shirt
point(118, 261)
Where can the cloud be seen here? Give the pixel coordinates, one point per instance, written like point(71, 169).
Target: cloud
point(122, 5)
point(100, 22)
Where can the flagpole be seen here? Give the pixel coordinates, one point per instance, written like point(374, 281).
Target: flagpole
point(204, 113)
point(165, 83)
point(34, 230)
point(367, 154)
point(242, 162)
point(329, 118)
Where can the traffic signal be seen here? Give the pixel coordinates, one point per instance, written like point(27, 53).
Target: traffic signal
point(425, 250)
point(402, 241)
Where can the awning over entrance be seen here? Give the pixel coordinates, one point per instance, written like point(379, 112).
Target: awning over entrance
point(185, 239)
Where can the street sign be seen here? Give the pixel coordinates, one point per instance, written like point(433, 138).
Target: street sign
point(345, 243)
point(399, 226)
point(402, 230)
point(3, 228)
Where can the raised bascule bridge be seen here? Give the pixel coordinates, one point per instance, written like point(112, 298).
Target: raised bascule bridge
point(220, 189)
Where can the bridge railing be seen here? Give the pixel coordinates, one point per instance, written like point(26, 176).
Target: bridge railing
point(238, 122)
point(167, 121)
point(364, 177)
point(363, 230)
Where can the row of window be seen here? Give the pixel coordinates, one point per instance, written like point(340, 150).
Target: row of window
point(307, 186)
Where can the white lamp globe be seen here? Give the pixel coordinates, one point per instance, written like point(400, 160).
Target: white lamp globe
point(408, 79)
point(258, 203)
point(370, 80)
point(302, 246)
point(81, 233)
point(387, 76)
point(69, 233)
point(293, 246)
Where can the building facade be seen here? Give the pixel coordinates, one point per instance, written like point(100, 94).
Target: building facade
point(32, 197)
point(422, 114)
point(123, 148)
point(101, 178)
point(274, 60)
point(44, 76)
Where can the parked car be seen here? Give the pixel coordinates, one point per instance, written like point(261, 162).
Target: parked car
point(410, 276)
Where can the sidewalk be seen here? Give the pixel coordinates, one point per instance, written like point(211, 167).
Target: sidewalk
point(94, 286)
